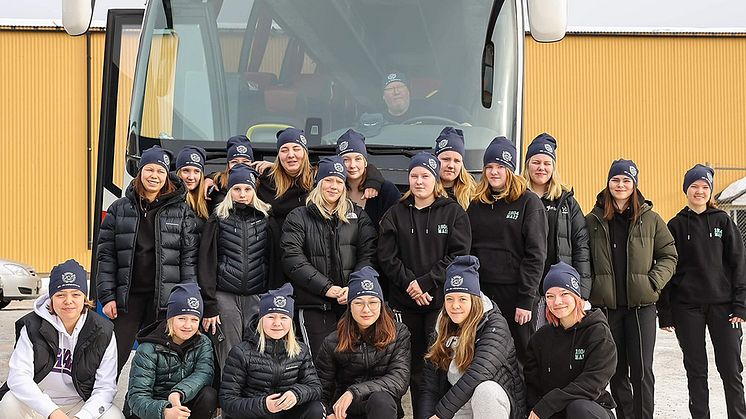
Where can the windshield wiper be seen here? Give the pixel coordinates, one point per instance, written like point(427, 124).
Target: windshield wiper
point(373, 149)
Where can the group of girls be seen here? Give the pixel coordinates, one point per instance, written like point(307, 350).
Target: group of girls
point(276, 266)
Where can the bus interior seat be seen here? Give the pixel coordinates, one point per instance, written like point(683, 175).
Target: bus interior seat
point(423, 87)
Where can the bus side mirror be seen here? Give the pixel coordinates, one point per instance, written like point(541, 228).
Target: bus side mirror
point(76, 16)
point(547, 19)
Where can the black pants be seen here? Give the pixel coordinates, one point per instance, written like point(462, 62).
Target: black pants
point(315, 325)
point(633, 383)
point(690, 322)
point(420, 326)
point(584, 409)
point(505, 296)
point(141, 311)
point(379, 405)
point(203, 405)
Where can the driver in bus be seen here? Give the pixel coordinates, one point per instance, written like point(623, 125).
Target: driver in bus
point(400, 107)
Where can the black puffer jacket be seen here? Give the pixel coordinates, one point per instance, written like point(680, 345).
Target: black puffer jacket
point(319, 253)
point(250, 376)
point(233, 255)
point(494, 360)
point(175, 246)
point(364, 371)
point(572, 240)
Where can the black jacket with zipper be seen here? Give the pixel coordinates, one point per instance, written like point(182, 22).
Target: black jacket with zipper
point(712, 263)
point(233, 255)
point(174, 256)
point(364, 370)
point(319, 253)
point(250, 376)
point(510, 240)
point(564, 365)
point(419, 244)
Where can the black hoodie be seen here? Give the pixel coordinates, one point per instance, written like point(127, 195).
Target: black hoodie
point(419, 244)
point(564, 365)
point(712, 263)
point(510, 240)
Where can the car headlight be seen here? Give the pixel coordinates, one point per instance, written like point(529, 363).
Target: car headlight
point(16, 269)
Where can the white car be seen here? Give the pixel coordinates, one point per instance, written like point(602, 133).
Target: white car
point(17, 282)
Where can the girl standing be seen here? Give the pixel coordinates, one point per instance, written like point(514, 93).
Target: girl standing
point(190, 167)
point(457, 181)
point(633, 257)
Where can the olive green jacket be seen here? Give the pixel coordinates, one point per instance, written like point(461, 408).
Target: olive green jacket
point(651, 259)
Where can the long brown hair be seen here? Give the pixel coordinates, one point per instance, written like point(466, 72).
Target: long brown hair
point(383, 331)
point(633, 203)
point(196, 198)
point(439, 354)
point(515, 187)
point(283, 180)
point(464, 187)
point(167, 188)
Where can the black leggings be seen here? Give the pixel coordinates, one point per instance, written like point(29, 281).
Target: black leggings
point(379, 405)
point(141, 311)
point(311, 410)
point(584, 409)
point(421, 325)
point(203, 405)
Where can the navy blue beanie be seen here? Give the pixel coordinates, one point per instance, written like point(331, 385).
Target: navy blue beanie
point(364, 283)
point(395, 76)
point(462, 275)
point(277, 301)
point(542, 144)
point(331, 166)
point(185, 299)
point(426, 160)
point(291, 135)
point(624, 167)
point(156, 155)
point(242, 174)
point(239, 146)
point(191, 156)
point(564, 276)
point(699, 172)
point(500, 151)
point(68, 275)
point(351, 142)
point(450, 139)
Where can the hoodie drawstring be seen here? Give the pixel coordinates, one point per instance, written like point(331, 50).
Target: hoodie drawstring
point(427, 224)
point(411, 220)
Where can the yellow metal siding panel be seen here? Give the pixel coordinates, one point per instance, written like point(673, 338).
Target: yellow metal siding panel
point(665, 102)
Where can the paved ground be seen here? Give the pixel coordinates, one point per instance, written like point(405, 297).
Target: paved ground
point(670, 389)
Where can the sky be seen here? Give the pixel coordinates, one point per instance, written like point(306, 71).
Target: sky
point(583, 15)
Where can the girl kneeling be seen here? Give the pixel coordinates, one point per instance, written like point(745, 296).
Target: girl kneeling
point(271, 374)
point(471, 369)
point(364, 364)
point(172, 370)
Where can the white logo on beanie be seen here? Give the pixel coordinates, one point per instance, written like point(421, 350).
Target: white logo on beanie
point(194, 157)
point(166, 160)
point(574, 282)
point(367, 284)
point(193, 302)
point(443, 143)
point(391, 76)
point(280, 301)
point(709, 177)
point(68, 277)
point(507, 156)
point(433, 164)
point(633, 171)
point(548, 147)
point(302, 139)
point(343, 145)
point(242, 149)
point(338, 168)
point(457, 281)
point(252, 179)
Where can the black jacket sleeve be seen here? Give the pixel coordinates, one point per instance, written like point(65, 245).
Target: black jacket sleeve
point(296, 265)
point(231, 401)
point(208, 266)
point(106, 256)
point(373, 178)
point(189, 247)
point(581, 252)
point(326, 367)
point(366, 246)
point(534, 230)
point(600, 364)
point(736, 259)
point(396, 379)
point(308, 387)
point(389, 258)
point(459, 244)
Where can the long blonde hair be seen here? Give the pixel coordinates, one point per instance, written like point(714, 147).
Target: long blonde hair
point(283, 180)
point(439, 354)
point(515, 187)
point(223, 209)
point(464, 188)
point(292, 347)
point(196, 198)
point(344, 206)
point(555, 186)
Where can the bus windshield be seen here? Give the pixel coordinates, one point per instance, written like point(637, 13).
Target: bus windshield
point(396, 70)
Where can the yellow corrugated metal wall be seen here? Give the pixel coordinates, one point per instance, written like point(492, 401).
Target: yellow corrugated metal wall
point(667, 102)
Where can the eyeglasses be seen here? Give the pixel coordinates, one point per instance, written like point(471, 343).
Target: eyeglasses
point(372, 306)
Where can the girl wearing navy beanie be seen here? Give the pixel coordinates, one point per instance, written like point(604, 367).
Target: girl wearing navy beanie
point(707, 290)
point(457, 181)
point(190, 167)
point(633, 257)
point(509, 229)
point(238, 150)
